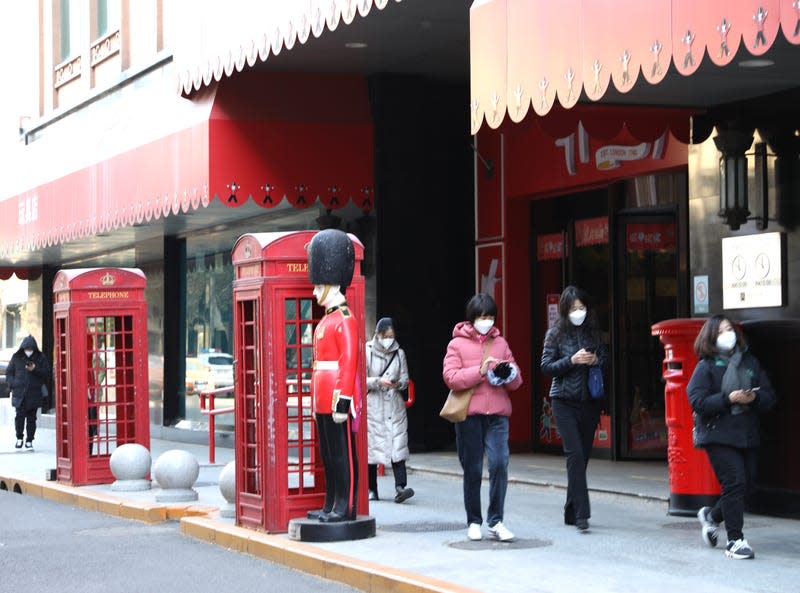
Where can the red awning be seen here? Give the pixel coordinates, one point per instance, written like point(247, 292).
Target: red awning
point(533, 53)
point(21, 273)
point(294, 136)
point(224, 37)
point(309, 138)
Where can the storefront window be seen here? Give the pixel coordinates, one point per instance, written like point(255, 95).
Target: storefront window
point(209, 334)
point(655, 190)
point(154, 295)
point(209, 306)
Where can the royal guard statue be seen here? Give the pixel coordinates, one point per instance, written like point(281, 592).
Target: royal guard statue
point(337, 402)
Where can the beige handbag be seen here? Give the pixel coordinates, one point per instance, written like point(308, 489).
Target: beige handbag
point(457, 403)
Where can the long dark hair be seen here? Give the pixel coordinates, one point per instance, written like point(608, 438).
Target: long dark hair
point(568, 298)
point(705, 345)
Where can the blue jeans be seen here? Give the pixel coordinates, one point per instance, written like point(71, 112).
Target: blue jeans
point(475, 436)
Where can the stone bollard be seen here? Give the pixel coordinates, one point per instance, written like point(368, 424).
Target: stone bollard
point(176, 472)
point(130, 464)
point(227, 487)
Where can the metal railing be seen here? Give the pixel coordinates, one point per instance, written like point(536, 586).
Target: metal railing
point(212, 413)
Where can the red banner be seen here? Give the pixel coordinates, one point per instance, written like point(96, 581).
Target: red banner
point(549, 247)
point(653, 236)
point(591, 231)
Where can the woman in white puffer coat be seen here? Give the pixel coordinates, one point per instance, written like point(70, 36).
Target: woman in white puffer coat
point(387, 423)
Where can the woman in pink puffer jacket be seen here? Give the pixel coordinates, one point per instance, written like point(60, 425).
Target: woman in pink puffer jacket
point(478, 356)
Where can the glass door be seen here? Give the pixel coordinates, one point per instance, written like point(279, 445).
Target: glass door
point(647, 292)
point(570, 246)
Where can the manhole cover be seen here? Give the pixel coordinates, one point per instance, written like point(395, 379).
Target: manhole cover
point(490, 544)
point(423, 526)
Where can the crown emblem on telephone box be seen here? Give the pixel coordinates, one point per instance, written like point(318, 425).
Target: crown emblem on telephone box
point(107, 279)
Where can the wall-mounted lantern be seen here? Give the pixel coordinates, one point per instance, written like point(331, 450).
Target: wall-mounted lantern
point(733, 144)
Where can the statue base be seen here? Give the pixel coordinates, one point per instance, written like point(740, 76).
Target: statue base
point(312, 530)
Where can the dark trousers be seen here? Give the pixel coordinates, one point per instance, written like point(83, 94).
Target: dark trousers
point(576, 423)
point(92, 424)
point(337, 446)
point(21, 418)
point(476, 436)
point(398, 469)
point(735, 469)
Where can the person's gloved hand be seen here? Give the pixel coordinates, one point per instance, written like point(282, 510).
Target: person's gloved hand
point(502, 370)
point(341, 407)
point(502, 373)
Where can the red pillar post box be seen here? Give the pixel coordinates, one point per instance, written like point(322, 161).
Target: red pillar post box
point(279, 472)
point(100, 369)
point(692, 483)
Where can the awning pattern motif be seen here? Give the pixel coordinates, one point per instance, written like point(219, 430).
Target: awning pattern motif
point(531, 53)
point(235, 142)
point(219, 38)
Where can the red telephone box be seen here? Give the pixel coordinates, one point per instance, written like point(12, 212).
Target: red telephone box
point(692, 483)
point(100, 364)
point(279, 471)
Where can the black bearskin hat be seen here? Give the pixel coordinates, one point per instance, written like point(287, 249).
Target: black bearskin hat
point(331, 258)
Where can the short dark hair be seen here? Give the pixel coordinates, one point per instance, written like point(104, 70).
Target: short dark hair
point(705, 345)
point(479, 305)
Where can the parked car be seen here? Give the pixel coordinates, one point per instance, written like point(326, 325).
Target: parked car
point(5, 358)
point(199, 376)
point(221, 365)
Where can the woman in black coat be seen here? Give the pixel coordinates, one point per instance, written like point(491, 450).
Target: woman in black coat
point(571, 347)
point(28, 371)
point(727, 391)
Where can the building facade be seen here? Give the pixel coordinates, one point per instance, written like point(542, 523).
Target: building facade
point(158, 133)
point(656, 166)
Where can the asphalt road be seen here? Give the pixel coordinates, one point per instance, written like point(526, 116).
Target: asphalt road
point(47, 546)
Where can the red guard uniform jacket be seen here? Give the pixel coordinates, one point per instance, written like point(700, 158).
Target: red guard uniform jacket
point(335, 360)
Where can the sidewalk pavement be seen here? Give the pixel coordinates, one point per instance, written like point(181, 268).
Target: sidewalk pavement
point(421, 545)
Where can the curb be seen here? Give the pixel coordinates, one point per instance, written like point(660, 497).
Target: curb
point(359, 574)
point(100, 502)
point(200, 522)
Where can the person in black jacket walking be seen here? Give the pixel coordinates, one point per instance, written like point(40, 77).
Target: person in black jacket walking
point(571, 347)
point(727, 391)
point(28, 371)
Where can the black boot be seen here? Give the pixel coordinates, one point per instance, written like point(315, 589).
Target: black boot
point(403, 493)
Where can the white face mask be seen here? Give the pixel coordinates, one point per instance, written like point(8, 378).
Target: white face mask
point(726, 341)
point(577, 317)
point(482, 326)
point(29, 353)
point(386, 342)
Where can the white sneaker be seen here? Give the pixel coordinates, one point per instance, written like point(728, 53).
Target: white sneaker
point(474, 532)
point(501, 532)
point(739, 549)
